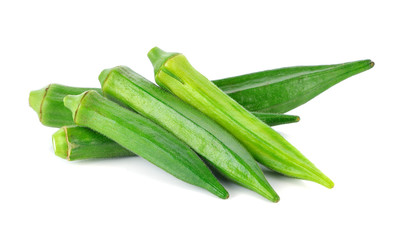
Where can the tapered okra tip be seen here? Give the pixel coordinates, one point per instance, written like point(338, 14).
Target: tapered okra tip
point(73, 101)
point(325, 181)
point(275, 199)
point(60, 143)
point(36, 99)
point(158, 57)
point(222, 194)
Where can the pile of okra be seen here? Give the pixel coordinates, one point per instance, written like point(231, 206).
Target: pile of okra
point(187, 123)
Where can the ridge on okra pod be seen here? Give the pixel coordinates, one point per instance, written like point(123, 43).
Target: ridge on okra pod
point(174, 73)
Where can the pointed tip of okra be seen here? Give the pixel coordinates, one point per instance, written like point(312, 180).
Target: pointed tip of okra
point(222, 193)
point(328, 183)
point(158, 57)
point(322, 179)
point(73, 101)
point(269, 193)
point(60, 143)
point(36, 99)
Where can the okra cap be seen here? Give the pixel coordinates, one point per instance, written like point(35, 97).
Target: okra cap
point(73, 102)
point(36, 99)
point(104, 75)
point(158, 57)
point(60, 143)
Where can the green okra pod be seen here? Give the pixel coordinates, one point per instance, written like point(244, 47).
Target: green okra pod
point(174, 73)
point(48, 104)
point(74, 142)
point(284, 89)
point(206, 137)
point(143, 137)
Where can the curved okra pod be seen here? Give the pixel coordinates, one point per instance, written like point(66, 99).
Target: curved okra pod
point(74, 142)
point(202, 134)
point(284, 89)
point(143, 137)
point(174, 73)
point(48, 104)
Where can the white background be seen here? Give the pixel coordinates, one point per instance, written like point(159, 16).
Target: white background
point(349, 131)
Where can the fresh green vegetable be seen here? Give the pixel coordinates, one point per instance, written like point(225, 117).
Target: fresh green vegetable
point(202, 134)
point(48, 104)
point(143, 137)
point(174, 73)
point(73, 142)
point(281, 90)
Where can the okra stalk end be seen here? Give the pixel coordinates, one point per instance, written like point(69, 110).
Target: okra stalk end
point(104, 75)
point(60, 143)
point(36, 99)
point(73, 102)
point(158, 57)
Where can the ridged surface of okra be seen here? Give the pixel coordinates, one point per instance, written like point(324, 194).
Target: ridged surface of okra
point(143, 137)
point(201, 133)
point(284, 89)
point(48, 104)
point(74, 142)
point(174, 72)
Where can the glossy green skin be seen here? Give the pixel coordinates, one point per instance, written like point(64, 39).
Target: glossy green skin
point(174, 72)
point(143, 137)
point(52, 113)
point(74, 142)
point(202, 134)
point(48, 104)
point(284, 89)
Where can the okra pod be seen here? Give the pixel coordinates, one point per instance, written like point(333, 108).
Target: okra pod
point(284, 89)
point(174, 73)
point(48, 104)
point(74, 142)
point(143, 137)
point(206, 137)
